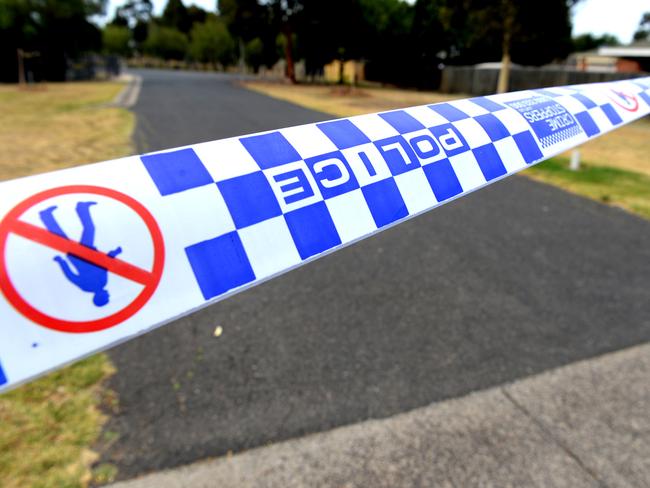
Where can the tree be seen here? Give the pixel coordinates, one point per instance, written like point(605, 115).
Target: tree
point(166, 42)
point(589, 42)
point(255, 54)
point(57, 31)
point(249, 19)
point(196, 15)
point(175, 16)
point(245, 19)
point(643, 32)
point(116, 40)
point(394, 39)
point(134, 11)
point(325, 34)
point(211, 42)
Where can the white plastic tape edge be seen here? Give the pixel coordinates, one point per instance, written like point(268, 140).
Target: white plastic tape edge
point(94, 255)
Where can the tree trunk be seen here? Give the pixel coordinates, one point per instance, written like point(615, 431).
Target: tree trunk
point(288, 53)
point(21, 67)
point(504, 73)
point(508, 12)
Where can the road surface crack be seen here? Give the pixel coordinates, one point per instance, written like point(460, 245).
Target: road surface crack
point(545, 430)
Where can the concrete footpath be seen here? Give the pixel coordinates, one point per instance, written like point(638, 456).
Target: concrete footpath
point(583, 425)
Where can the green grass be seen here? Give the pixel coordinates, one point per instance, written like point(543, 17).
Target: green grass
point(47, 427)
point(614, 186)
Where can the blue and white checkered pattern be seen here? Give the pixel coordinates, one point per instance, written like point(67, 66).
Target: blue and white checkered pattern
point(288, 195)
point(237, 211)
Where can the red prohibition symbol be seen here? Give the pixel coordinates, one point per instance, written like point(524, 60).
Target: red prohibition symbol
point(625, 100)
point(149, 279)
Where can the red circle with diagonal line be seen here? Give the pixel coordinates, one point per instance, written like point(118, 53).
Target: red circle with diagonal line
point(148, 278)
point(633, 104)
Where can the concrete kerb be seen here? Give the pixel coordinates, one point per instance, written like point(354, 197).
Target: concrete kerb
point(128, 97)
point(584, 424)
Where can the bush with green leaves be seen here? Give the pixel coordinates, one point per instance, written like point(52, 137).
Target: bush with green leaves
point(116, 40)
point(166, 43)
point(211, 43)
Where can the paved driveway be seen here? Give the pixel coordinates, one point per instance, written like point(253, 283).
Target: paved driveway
point(509, 281)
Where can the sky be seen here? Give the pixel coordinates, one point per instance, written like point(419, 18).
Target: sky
point(618, 17)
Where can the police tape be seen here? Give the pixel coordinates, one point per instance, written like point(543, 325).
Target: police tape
point(94, 255)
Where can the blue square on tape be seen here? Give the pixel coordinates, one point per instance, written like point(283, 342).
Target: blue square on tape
point(384, 201)
point(270, 150)
point(249, 198)
point(645, 97)
point(449, 112)
point(312, 229)
point(343, 133)
point(587, 123)
point(442, 179)
point(176, 171)
point(398, 154)
point(3, 377)
point(492, 126)
point(220, 264)
point(611, 114)
point(587, 102)
point(487, 104)
point(332, 174)
point(548, 93)
point(402, 121)
point(528, 147)
point(489, 161)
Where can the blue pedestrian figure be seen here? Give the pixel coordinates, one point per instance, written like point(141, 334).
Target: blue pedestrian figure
point(87, 276)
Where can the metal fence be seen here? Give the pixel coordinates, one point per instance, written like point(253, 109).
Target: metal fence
point(483, 81)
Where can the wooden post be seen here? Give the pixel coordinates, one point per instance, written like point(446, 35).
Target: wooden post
point(21, 66)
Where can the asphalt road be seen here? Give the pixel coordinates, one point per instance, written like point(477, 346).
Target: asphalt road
point(509, 281)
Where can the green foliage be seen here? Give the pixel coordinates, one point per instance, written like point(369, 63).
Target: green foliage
point(54, 29)
point(589, 42)
point(48, 425)
point(116, 40)
point(643, 32)
point(166, 42)
point(211, 43)
point(255, 53)
point(134, 11)
point(608, 185)
point(175, 16)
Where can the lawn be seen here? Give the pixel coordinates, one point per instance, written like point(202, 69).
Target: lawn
point(48, 426)
point(60, 125)
point(615, 169)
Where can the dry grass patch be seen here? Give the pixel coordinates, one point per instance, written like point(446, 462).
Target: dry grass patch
point(57, 125)
point(48, 426)
point(627, 148)
point(345, 101)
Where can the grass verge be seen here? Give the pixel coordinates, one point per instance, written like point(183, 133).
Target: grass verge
point(48, 426)
point(626, 189)
point(617, 168)
point(345, 101)
point(60, 125)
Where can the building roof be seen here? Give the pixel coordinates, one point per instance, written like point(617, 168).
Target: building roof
point(635, 50)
